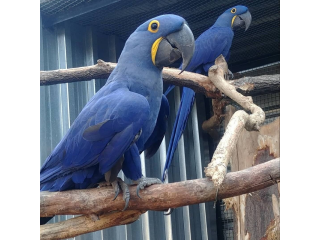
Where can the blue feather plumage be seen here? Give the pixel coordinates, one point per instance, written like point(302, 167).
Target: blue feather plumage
point(117, 121)
point(208, 46)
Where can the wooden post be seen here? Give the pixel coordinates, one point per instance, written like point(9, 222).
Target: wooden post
point(257, 214)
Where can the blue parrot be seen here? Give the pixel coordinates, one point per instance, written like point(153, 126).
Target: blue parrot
point(208, 46)
point(117, 124)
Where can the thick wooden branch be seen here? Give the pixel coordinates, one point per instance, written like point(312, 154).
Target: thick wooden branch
point(216, 75)
point(256, 85)
point(160, 196)
point(100, 70)
point(85, 224)
point(217, 168)
point(199, 83)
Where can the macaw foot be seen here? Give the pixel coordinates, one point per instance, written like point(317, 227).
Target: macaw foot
point(144, 182)
point(120, 184)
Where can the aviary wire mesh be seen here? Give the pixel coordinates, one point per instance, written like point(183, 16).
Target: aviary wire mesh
point(48, 7)
point(261, 41)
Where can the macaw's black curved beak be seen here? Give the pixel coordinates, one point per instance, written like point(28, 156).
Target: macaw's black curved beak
point(174, 46)
point(242, 21)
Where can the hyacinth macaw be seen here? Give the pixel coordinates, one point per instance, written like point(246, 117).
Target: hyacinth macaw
point(116, 124)
point(208, 46)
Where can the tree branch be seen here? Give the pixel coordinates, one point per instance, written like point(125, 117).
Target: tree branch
point(199, 83)
point(85, 224)
point(217, 168)
point(257, 85)
point(100, 70)
point(159, 196)
point(98, 207)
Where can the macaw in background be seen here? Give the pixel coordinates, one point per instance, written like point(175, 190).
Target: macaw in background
point(116, 125)
point(208, 46)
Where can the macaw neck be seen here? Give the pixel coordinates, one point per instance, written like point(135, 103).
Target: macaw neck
point(135, 67)
point(223, 21)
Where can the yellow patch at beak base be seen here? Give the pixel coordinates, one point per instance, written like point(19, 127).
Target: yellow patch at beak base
point(234, 17)
point(154, 49)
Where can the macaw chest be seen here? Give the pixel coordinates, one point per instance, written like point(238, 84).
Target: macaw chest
point(154, 100)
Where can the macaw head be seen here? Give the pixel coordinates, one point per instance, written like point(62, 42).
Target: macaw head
point(163, 40)
point(235, 17)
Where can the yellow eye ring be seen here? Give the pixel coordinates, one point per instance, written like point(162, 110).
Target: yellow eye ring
point(233, 10)
point(154, 26)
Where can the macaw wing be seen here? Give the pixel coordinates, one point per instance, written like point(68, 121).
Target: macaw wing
point(154, 141)
point(100, 135)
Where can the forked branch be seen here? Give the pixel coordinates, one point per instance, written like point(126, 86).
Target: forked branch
point(217, 168)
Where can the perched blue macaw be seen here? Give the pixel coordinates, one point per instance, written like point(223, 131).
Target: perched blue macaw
point(208, 46)
point(118, 121)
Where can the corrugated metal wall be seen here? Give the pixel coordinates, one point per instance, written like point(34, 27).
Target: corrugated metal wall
point(68, 45)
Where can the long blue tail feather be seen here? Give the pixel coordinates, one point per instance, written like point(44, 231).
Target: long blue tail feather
point(187, 100)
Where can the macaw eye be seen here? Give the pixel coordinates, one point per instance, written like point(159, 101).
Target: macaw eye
point(233, 10)
point(154, 26)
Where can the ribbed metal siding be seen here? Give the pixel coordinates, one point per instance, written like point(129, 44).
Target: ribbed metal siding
point(69, 45)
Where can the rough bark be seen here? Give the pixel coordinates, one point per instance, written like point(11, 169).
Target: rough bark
point(256, 85)
point(199, 83)
point(84, 224)
point(217, 168)
point(100, 70)
point(159, 196)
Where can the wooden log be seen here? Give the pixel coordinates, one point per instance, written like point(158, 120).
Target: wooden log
point(84, 224)
point(199, 83)
point(159, 196)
